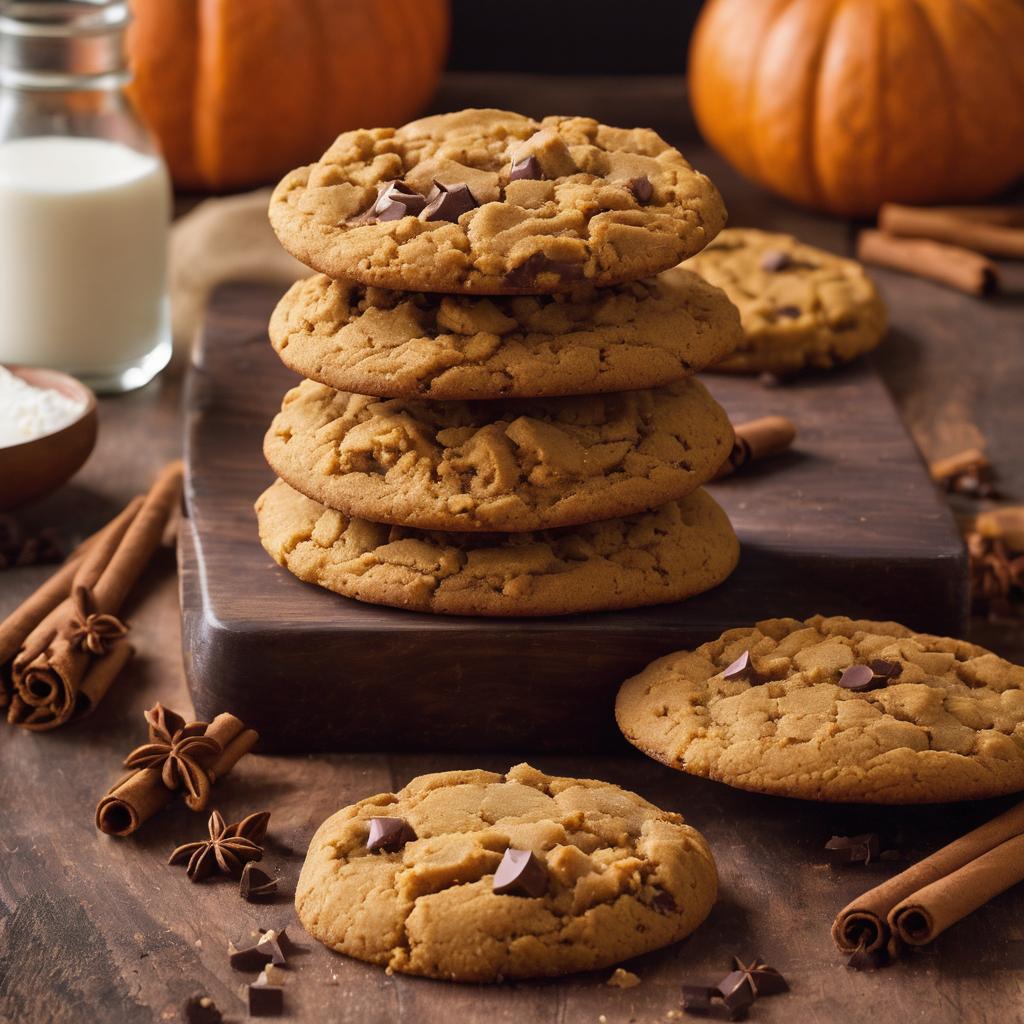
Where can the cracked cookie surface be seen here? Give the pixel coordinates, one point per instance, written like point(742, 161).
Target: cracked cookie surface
point(801, 307)
point(517, 465)
point(623, 878)
point(669, 554)
point(374, 341)
point(550, 204)
point(947, 725)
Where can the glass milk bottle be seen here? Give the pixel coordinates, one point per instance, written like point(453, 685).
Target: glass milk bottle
point(85, 200)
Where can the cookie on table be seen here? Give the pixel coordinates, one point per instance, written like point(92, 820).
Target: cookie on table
point(491, 202)
point(801, 307)
point(834, 709)
point(595, 875)
point(672, 553)
point(516, 465)
point(413, 344)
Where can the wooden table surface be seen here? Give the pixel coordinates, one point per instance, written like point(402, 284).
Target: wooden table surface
point(96, 929)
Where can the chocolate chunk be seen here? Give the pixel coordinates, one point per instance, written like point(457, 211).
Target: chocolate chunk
point(265, 1000)
point(396, 200)
point(201, 1010)
point(862, 849)
point(699, 998)
point(775, 260)
point(859, 679)
point(527, 272)
point(664, 902)
point(253, 957)
point(448, 202)
point(790, 312)
point(642, 189)
point(528, 168)
point(885, 669)
point(273, 944)
point(740, 667)
point(737, 993)
point(389, 834)
point(520, 873)
point(765, 980)
point(256, 884)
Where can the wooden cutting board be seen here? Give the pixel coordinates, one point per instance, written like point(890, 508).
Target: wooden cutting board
point(847, 523)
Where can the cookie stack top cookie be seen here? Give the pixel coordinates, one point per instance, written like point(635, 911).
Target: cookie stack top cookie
point(486, 353)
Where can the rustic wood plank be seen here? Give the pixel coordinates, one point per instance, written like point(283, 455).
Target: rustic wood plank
point(99, 930)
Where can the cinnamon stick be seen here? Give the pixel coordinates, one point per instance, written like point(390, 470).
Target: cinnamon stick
point(948, 264)
point(1008, 216)
point(943, 226)
point(136, 797)
point(937, 886)
point(50, 667)
point(758, 439)
point(930, 911)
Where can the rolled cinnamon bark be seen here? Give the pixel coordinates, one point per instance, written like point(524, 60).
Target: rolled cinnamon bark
point(139, 795)
point(971, 460)
point(49, 670)
point(17, 627)
point(948, 264)
point(930, 911)
point(757, 439)
point(943, 226)
point(865, 921)
point(1008, 216)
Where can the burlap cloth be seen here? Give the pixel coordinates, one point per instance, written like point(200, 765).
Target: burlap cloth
point(222, 239)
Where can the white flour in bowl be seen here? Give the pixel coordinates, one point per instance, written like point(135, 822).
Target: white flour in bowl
point(28, 412)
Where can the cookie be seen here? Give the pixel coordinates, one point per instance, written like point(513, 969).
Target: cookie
point(834, 709)
point(676, 551)
point(519, 465)
point(492, 203)
point(596, 875)
point(800, 306)
point(414, 344)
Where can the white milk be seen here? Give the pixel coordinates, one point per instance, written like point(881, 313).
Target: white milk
point(83, 247)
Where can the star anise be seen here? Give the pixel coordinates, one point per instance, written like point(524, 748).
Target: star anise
point(228, 850)
point(996, 573)
point(91, 630)
point(181, 752)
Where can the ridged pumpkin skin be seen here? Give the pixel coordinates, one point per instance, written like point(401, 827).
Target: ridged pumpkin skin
point(240, 91)
point(841, 105)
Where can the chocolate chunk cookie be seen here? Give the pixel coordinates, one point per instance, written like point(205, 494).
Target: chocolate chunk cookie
point(528, 464)
point(520, 875)
point(835, 709)
point(800, 306)
point(672, 553)
point(490, 202)
point(413, 344)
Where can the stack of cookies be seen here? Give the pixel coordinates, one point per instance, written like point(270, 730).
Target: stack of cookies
point(500, 415)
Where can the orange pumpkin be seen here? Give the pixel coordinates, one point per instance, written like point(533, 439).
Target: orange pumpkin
point(841, 105)
point(240, 91)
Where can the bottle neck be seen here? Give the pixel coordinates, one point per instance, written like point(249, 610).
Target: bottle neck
point(63, 45)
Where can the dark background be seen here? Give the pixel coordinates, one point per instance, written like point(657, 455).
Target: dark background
point(606, 37)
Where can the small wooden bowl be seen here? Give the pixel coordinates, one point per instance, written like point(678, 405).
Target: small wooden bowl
point(34, 468)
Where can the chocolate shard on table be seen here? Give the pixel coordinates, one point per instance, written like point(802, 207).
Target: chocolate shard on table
point(256, 884)
point(200, 1009)
point(860, 849)
point(764, 980)
point(253, 956)
point(389, 835)
point(699, 999)
point(264, 999)
point(520, 873)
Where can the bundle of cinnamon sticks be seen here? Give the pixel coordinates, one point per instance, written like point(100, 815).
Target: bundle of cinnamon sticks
point(63, 647)
point(923, 901)
point(947, 244)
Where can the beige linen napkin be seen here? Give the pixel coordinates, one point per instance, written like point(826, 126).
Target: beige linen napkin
point(222, 239)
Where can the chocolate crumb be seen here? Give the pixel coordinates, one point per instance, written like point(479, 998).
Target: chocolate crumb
point(201, 1009)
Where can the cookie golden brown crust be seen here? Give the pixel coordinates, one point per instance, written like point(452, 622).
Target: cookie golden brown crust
point(515, 466)
point(801, 307)
point(620, 877)
point(946, 722)
point(586, 203)
point(670, 554)
point(420, 345)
